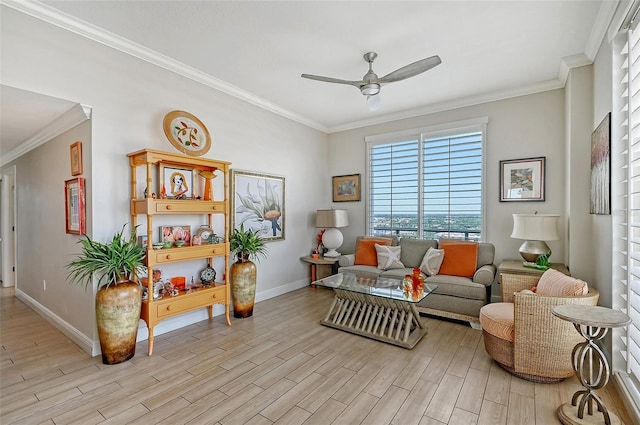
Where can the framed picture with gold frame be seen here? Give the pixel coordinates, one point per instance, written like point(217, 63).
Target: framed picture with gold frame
point(346, 188)
point(74, 206)
point(75, 152)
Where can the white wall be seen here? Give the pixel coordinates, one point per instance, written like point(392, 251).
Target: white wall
point(129, 99)
point(521, 127)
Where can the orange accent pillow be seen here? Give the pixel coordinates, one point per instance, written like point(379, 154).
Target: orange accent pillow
point(460, 259)
point(366, 254)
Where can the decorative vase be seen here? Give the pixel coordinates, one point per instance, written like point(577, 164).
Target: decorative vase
point(117, 315)
point(243, 286)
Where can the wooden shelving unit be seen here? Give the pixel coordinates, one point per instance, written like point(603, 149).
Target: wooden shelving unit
point(154, 311)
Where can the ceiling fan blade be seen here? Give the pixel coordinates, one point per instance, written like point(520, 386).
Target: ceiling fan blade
point(332, 80)
point(411, 70)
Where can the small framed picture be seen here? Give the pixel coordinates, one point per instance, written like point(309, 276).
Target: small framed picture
point(74, 206)
point(75, 152)
point(175, 233)
point(346, 188)
point(177, 182)
point(522, 179)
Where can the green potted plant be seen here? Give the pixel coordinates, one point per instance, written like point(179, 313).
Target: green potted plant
point(245, 244)
point(112, 266)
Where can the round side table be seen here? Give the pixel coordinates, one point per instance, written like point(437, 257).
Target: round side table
point(589, 361)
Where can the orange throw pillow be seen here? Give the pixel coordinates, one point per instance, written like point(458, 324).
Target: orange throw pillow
point(366, 254)
point(460, 259)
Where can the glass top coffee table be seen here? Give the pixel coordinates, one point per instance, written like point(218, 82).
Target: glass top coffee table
point(375, 307)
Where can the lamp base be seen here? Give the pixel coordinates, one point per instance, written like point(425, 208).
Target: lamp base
point(332, 240)
point(531, 250)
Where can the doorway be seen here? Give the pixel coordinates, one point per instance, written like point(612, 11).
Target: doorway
point(7, 227)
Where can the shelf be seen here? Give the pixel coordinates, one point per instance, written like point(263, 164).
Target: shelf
point(154, 311)
point(190, 300)
point(185, 253)
point(150, 206)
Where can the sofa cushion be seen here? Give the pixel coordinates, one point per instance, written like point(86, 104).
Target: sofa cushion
point(497, 319)
point(456, 286)
point(556, 284)
point(366, 252)
point(388, 257)
point(460, 259)
point(413, 250)
point(432, 261)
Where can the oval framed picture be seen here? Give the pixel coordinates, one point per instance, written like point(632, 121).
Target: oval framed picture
point(187, 133)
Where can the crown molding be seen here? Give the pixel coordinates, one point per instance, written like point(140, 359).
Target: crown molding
point(74, 116)
point(70, 23)
point(599, 30)
point(449, 105)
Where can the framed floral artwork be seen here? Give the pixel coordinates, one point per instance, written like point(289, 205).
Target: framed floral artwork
point(175, 233)
point(522, 179)
point(257, 203)
point(600, 195)
point(74, 206)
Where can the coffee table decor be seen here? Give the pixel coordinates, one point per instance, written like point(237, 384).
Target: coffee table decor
point(375, 307)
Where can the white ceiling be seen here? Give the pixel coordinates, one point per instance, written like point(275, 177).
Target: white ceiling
point(257, 50)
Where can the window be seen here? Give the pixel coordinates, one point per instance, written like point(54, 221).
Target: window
point(427, 183)
point(626, 213)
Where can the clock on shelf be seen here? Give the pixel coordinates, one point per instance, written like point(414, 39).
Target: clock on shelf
point(208, 275)
point(206, 235)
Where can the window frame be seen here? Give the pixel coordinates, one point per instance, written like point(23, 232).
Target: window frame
point(449, 129)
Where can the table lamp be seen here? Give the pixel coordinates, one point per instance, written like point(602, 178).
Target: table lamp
point(332, 237)
point(535, 229)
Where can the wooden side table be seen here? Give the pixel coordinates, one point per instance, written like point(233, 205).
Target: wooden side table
point(321, 267)
point(589, 361)
point(516, 267)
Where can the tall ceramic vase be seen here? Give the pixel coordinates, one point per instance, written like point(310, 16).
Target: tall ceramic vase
point(243, 286)
point(117, 315)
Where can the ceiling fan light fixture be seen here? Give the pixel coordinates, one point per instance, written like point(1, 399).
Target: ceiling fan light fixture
point(373, 102)
point(370, 89)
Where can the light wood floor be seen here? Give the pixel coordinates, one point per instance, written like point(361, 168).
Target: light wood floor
point(278, 367)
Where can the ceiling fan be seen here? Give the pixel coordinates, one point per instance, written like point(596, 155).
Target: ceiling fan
point(370, 84)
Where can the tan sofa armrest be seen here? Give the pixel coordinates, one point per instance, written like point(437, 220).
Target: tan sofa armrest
point(485, 274)
point(347, 260)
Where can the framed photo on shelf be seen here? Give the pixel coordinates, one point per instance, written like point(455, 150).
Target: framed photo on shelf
point(346, 188)
point(75, 152)
point(74, 206)
point(522, 179)
point(257, 202)
point(175, 233)
point(178, 182)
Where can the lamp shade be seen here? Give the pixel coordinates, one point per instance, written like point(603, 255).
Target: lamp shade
point(332, 218)
point(536, 227)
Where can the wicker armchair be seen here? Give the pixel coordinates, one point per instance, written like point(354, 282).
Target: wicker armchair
point(542, 345)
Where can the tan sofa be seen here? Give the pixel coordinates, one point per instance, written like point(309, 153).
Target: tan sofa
point(456, 297)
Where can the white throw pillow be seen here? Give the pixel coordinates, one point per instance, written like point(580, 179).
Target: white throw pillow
point(388, 257)
point(432, 261)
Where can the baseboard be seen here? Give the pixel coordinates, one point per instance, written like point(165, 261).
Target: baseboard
point(629, 395)
point(93, 347)
point(80, 339)
point(496, 299)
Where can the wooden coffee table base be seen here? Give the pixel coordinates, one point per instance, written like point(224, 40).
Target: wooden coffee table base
point(387, 320)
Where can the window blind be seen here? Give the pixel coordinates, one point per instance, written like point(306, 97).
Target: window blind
point(626, 215)
point(427, 185)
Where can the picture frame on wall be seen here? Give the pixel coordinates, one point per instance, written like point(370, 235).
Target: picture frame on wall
point(74, 206)
point(257, 203)
point(522, 179)
point(600, 194)
point(178, 182)
point(75, 153)
point(346, 188)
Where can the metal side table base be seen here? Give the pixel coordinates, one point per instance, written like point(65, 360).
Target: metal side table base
point(589, 362)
